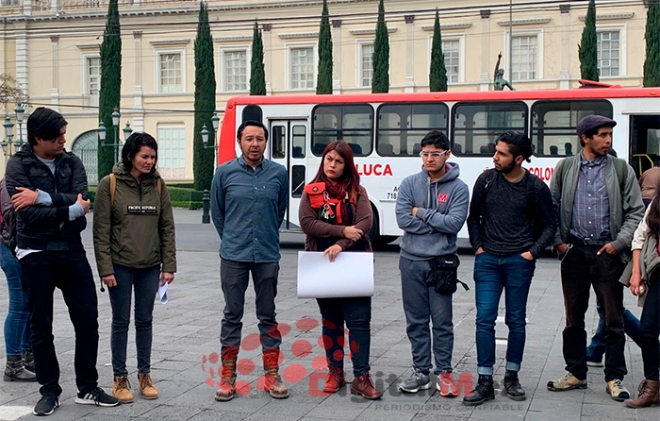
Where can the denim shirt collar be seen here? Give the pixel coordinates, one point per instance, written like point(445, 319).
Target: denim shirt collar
point(241, 161)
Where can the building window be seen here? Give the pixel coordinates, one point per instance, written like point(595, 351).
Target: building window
point(10, 3)
point(524, 57)
point(171, 72)
point(608, 53)
point(302, 68)
point(366, 64)
point(93, 76)
point(172, 151)
point(235, 66)
point(451, 50)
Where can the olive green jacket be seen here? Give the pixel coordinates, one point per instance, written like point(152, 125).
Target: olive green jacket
point(136, 231)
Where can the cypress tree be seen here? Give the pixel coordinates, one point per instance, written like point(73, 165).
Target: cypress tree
point(257, 72)
point(588, 47)
point(380, 82)
point(204, 101)
point(110, 91)
point(438, 71)
point(652, 36)
point(324, 82)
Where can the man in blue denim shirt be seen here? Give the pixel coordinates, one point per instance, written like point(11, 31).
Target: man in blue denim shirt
point(248, 201)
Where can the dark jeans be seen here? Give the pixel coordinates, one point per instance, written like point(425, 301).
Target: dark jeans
point(492, 274)
point(596, 348)
point(581, 269)
point(145, 282)
point(234, 277)
point(421, 305)
point(70, 272)
point(356, 312)
point(649, 329)
point(17, 328)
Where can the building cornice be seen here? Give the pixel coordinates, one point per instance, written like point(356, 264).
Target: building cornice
point(370, 31)
point(610, 16)
point(233, 38)
point(166, 42)
point(88, 47)
point(448, 26)
point(523, 22)
point(296, 35)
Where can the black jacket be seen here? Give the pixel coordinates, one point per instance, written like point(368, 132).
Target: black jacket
point(48, 227)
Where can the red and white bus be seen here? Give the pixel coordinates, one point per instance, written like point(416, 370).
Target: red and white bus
point(385, 131)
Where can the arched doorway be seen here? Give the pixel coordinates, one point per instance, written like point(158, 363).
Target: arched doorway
point(86, 148)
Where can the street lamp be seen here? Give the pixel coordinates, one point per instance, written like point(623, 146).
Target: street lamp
point(9, 148)
point(127, 131)
point(206, 198)
point(102, 130)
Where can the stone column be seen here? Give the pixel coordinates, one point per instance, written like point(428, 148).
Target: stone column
point(137, 91)
point(55, 72)
point(484, 82)
point(336, 56)
point(410, 53)
point(267, 36)
point(564, 73)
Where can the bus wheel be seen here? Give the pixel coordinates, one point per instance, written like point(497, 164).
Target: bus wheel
point(378, 241)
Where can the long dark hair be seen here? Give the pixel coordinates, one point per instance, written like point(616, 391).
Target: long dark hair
point(653, 218)
point(350, 175)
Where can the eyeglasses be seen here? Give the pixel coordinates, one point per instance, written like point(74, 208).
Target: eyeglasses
point(432, 154)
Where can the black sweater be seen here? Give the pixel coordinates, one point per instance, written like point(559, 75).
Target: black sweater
point(511, 218)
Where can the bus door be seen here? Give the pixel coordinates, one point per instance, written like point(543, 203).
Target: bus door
point(288, 146)
point(644, 142)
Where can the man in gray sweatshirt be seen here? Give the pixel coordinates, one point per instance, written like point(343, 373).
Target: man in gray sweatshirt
point(431, 208)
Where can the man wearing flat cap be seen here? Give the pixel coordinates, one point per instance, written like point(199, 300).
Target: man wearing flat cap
point(599, 205)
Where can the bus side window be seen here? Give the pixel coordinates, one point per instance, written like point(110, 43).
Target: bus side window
point(401, 127)
point(554, 124)
point(478, 125)
point(298, 138)
point(351, 123)
point(253, 113)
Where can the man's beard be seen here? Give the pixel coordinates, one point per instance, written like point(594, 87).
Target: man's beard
point(507, 169)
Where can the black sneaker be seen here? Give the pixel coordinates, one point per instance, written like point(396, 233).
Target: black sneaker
point(96, 397)
point(46, 405)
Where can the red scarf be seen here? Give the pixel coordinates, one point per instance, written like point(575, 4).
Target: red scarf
point(338, 191)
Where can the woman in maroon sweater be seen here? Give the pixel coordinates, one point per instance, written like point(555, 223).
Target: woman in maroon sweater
point(336, 216)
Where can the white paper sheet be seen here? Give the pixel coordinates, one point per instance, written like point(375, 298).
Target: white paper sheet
point(162, 292)
point(350, 275)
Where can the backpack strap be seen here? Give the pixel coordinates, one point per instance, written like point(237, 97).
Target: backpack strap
point(113, 188)
point(159, 186)
point(621, 169)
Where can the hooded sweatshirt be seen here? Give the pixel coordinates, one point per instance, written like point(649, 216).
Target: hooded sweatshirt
point(442, 210)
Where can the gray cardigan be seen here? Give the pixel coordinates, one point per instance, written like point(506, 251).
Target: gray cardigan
point(626, 208)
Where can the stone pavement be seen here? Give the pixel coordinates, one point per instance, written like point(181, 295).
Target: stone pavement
point(186, 332)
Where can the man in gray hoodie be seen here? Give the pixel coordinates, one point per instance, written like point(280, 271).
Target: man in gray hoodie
point(431, 208)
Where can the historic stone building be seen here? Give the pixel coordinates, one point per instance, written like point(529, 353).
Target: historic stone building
point(51, 47)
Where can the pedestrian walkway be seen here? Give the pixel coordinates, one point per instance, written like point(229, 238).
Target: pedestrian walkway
point(186, 344)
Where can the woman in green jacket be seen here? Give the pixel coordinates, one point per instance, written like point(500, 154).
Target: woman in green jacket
point(135, 249)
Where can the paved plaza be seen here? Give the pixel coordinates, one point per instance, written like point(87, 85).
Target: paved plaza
point(186, 344)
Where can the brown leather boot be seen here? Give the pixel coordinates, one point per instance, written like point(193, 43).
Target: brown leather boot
point(363, 386)
point(121, 389)
point(335, 380)
point(226, 390)
point(147, 388)
point(273, 382)
point(649, 394)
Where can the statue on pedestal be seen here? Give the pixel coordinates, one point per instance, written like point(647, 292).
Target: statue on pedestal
point(498, 78)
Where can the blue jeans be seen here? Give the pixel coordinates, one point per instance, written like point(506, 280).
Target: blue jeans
point(356, 313)
point(596, 349)
point(17, 328)
point(421, 305)
point(492, 274)
point(145, 282)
